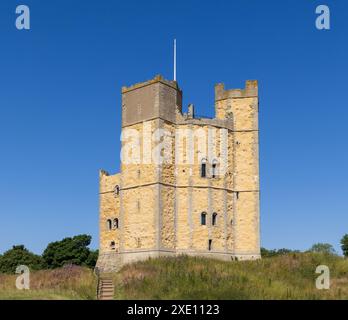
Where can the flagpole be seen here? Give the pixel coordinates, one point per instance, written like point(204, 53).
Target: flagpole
point(174, 59)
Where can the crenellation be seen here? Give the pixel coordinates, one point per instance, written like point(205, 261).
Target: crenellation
point(250, 90)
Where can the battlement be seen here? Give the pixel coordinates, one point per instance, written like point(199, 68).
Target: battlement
point(107, 182)
point(156, 79)
point(103, 173)
point(250, 90)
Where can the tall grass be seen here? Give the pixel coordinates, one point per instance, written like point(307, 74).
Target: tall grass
point(70, 282)
point(290, 276)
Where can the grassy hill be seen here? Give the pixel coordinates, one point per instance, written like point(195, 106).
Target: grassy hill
point(71, 282)
point(290, 276)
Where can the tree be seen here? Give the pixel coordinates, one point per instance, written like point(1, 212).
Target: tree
point(344, 245)
point(326, 248)
point(92, 258)
point(69, 251)
point(17, 256)
point(266, 253)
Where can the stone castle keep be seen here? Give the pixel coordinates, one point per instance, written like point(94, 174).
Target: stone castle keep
point(152, 209)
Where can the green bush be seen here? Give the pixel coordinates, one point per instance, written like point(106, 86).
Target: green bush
point(325, 248)
point(70, 251)
point(19, 255)
point(266, 253)
point(344, 245)
point(92, 258)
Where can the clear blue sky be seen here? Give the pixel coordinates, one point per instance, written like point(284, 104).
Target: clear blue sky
point(60, 104)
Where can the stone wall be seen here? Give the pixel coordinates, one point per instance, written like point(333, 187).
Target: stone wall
point(109, 210)
point(159, 205)
point(242, 107)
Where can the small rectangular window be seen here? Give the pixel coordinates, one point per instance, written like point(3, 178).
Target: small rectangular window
point(203, 218)
point(210, 244)
point(204, 170)
point(214, 217)
point(214, 170)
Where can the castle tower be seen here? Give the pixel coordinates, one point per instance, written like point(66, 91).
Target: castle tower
point(241, 105)
point(174, 195)
point(147, 191)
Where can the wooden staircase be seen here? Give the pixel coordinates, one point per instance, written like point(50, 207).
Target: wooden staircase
point(105, 289)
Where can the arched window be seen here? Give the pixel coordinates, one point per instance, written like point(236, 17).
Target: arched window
point(210, 243)
point(214, 219)
point(203, 218)
point(214, 169)
point(117, 190)
point(109, 224)
point(204, 168)
point(112, 245)
point(115, 223)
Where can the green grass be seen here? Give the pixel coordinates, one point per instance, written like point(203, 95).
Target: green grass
point(60, 284)
point(290, 276)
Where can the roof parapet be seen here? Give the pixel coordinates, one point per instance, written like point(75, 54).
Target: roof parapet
point(250, 90)
point(157, 78)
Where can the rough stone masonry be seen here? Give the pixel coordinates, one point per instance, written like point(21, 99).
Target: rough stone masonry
point(156, 208)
